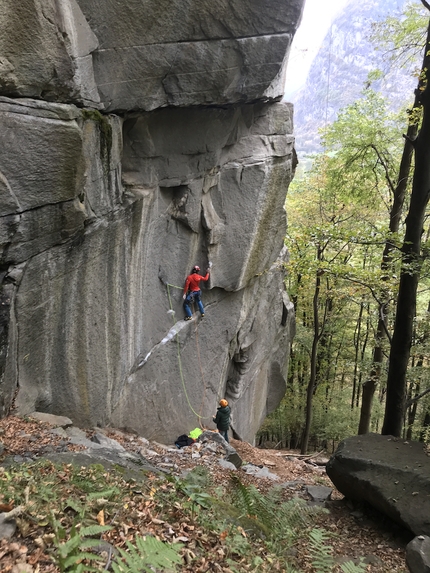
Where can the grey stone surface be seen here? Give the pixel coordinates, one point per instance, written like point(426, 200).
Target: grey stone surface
point(59, 432)
point(135, 466)
point(102, 217)
point(76, 433)
point(205, 72)
point(258, 472)
point(319, 494)
point(62, 421)
point(7, 526)
point(418, 554)
point(106, 442)
point(231, 455)
point(230, 53)
point(100, 344)
point(391, 475)
point(227, 465)
point(141, 55)
point(39, 160)
point(45, 48)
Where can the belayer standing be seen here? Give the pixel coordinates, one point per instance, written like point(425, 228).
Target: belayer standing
point(192, 292)
point(222, 419)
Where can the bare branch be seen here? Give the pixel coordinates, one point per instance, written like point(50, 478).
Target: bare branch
point(385, 166)
point(384, 325)
point(416, 398)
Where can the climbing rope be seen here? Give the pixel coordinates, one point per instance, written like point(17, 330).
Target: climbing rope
point(201, 369)
point(181, 373)
point(199, 416)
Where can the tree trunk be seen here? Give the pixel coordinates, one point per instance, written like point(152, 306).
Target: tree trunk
point(412, 412)
point(411, 264)
point(357, 334)
point(369, 386)
point(313, 375)
point(371, 383)
point(426, 424)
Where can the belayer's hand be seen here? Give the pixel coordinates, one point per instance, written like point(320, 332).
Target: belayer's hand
point(184, 296)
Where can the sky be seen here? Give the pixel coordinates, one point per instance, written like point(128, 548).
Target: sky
point(317, 17)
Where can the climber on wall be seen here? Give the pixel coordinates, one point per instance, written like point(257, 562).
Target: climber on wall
point(192, 292)
point(222, 419)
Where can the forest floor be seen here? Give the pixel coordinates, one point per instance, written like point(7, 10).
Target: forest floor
point(356, 532)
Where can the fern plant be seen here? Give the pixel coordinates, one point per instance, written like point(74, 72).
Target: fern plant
point(282, 520)
point(351, 567)
point(322, 559)
point(149, 554)
point(321, 553)
point(70, 553)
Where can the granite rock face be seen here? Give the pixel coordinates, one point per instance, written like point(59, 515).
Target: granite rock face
point(46, 51)
point(102, 216)
point(191, 52)
point(388, 473)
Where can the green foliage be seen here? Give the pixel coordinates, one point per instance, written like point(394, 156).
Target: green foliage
point(73, 548)
point(321, 552)
point(279, 520)
point(239, 524)
point(403, 39)
point(338, 229)
point(351, 567)
point(148, 554)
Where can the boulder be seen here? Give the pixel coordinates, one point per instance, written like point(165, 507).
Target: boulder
point(418, 554)
point(7, 526)
point(61, 421)
point(259, 472)
point(231, 455)
point(390, 474)
point(106, 442)
point(318, 493)
point(135, 467)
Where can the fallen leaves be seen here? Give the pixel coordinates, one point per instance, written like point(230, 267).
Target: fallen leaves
point(153, 508)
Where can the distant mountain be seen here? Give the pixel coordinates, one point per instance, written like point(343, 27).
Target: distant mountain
point(340, 70)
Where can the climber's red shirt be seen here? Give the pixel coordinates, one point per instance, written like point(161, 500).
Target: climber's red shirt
point(192, 282)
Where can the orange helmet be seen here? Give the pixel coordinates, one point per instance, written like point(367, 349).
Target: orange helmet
point(223, 403)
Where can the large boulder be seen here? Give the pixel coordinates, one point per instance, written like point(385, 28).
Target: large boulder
point(390, 474)
point(418, 554)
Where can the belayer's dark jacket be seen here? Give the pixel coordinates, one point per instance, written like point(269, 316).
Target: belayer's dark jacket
point(222, 418)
